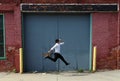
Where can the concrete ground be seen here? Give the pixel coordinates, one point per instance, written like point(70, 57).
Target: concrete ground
point(62, 76)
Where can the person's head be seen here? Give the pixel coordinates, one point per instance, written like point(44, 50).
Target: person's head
point(57, 41)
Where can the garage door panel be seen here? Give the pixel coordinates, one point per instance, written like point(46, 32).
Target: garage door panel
point(40, 32)
point(37, 40)
point(74, 30)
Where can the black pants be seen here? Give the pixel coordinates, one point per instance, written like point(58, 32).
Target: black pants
point(56, 56)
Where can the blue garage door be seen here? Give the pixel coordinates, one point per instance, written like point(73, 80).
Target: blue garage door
point(40, 31)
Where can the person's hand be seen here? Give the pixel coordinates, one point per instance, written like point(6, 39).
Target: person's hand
point(61, 40)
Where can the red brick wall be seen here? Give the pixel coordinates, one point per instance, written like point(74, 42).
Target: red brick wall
point(118, 48)
point(70, 1)
point(6, 1)
point(105, 27)
point(10, 1)
point(59, 1)
point(6, 7)
point(13, 39)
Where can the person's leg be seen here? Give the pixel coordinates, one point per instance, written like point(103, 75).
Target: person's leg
point(62, 58)
point(53, 59)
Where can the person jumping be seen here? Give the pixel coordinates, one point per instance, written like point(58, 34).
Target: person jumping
point(57, 54)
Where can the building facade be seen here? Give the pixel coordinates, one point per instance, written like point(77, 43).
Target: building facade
point(34, 25)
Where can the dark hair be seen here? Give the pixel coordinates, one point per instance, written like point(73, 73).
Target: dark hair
point(57, 40)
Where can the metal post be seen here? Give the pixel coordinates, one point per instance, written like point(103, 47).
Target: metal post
point(21, 60)
point(94, 58)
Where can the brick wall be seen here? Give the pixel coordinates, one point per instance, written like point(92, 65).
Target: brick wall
point(105, 28)
point(13, 38)
point(6, 1)
point(58, 1)
point(70, 1)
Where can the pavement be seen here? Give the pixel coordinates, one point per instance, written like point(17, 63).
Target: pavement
point(113, 75)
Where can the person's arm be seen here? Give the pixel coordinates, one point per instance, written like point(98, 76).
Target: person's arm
point(61, 43)
point(52, 48)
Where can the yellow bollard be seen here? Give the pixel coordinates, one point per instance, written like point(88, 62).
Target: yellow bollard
point(94, 58)
point(21, 60)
